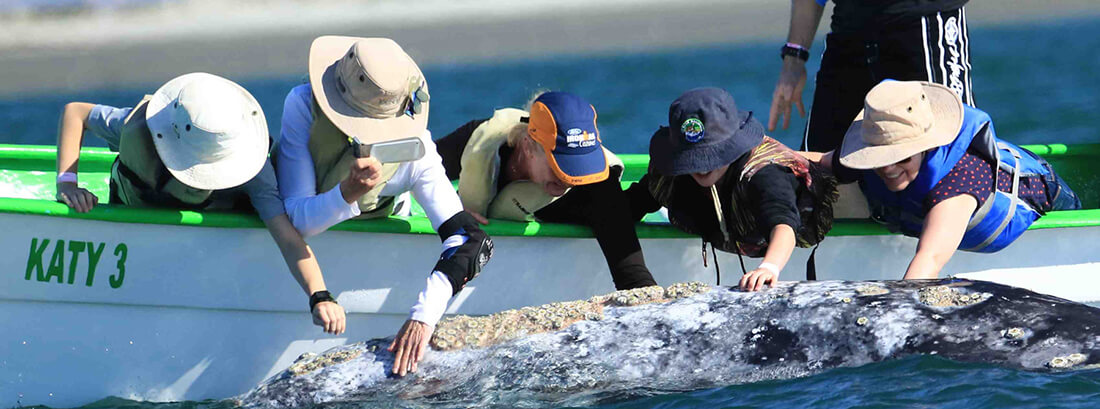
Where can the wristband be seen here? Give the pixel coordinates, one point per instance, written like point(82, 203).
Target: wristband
point(794, 50)
point(319, 297)
point(66, 177)
point(770, 267)
point(798, 46)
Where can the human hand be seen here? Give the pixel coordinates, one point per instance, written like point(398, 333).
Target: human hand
point(364, 175)
point(788, 90)
point(330, 316)
point(409, 345)
point(78, 198)
point(755, 279)
point(477, 216)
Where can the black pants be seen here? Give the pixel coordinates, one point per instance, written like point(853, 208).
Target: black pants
point(933, 48)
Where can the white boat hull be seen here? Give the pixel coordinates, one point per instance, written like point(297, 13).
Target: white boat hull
point(207, 313)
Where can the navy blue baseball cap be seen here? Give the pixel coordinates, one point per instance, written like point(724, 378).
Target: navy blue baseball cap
point(565, 126)
point(705, 132)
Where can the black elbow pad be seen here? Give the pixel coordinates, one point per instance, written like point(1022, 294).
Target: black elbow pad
point(461, 264)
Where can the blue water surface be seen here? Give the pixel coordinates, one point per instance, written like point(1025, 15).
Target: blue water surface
point(914, 382)
point(1034, 89)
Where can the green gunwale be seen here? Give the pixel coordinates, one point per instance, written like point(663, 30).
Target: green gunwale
point(42, 158)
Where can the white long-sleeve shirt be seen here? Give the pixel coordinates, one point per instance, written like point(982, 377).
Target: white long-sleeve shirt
point(313, 212)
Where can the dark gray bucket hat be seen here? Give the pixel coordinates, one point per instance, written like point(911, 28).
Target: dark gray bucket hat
point(705, 132)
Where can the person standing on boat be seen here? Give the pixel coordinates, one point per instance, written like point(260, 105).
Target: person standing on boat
point(721, 178)
point(932, 168)
point(369, 89)
point(199, 142)
point(924, 40)
point(550, 165)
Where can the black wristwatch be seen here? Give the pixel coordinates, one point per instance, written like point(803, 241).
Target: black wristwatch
point(320, 296)
point(797, 52)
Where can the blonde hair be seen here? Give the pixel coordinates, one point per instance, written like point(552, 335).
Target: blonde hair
point(534, 95)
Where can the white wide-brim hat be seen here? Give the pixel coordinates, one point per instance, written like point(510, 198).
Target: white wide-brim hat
point(210, 132)
point(901, 119)
point(364, 86)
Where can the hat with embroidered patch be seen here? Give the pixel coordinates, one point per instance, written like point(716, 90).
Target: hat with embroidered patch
point(901, 119)
point(565, 126)
point(368, 87)
point(705, 131)
point(208, 131)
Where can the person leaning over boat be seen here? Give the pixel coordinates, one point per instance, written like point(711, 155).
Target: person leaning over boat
point(370, 89)
point(550, 165)
point(925, 40)
point(199, 142)
point(933, 168)
point(721, 178)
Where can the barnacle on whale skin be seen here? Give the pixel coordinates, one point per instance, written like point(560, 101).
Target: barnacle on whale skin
point(465, 331)
point(870, 290)
point(949, 296)
point(313, 363)
point(1013, 333)
point(1068, 361)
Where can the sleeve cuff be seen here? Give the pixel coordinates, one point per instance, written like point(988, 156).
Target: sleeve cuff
point(793, 223)
point(334, 202)
point(432, 302)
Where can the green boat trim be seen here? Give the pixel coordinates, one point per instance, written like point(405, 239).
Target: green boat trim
point(393, 224)
point(1075, 162)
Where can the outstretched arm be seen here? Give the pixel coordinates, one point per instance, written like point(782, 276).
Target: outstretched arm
point(263, 193)
point(780, 246)
point(829, 161)
point(303, 266)
point(70, 136)
point(944, 227)
point(805, 16)
point(819, 158)
point(773, 198)
point(466, 249)
point(604, 208)
point(640, 200)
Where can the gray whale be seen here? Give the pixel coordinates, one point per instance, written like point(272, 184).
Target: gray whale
point(718, 337)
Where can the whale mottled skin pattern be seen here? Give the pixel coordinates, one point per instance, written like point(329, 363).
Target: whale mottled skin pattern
point(720, 337)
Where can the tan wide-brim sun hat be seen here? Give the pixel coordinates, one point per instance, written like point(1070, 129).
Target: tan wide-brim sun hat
point(209, 132)
point(901, 119)
point(368, 87)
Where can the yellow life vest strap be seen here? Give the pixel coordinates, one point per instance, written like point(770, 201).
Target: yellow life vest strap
point(477, 181)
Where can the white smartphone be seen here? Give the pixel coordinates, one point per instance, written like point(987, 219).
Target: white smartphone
point(402, 150)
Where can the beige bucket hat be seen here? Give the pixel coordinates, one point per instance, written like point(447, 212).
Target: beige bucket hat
point(210, 132)
point(368, 87)
point(900, 119)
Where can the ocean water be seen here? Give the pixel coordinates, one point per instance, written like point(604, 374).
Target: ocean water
point(913, 382)
point(922, 382)
point(1038, 86)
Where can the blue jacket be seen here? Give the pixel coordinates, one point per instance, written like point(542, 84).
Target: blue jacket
point(997, 222)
